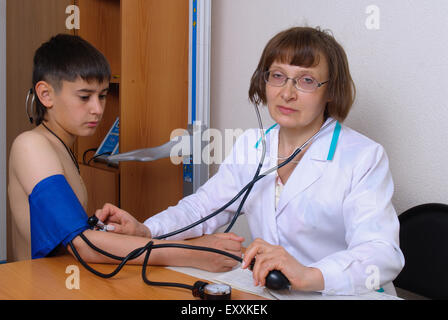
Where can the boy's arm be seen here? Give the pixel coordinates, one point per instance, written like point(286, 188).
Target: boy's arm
point(122, 245)
point(33, 159)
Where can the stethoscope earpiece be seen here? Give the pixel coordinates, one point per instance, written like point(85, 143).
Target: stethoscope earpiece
point(28, 106)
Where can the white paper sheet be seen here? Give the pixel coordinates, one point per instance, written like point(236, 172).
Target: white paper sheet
point(242, 280)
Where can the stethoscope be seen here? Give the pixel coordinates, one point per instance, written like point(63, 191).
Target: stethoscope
point(29, 106)
point(202, 289)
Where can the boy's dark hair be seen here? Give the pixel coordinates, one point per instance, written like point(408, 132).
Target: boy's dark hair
point(302, 46)
point(67, 57)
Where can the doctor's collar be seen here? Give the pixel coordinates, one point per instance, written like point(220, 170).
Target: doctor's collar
point(334, 139)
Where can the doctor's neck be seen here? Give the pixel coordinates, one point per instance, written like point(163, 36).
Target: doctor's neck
point(291, 138)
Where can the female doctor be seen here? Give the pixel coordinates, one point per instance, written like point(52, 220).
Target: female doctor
point(325, 220)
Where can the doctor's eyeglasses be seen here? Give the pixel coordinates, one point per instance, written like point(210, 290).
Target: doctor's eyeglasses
point(304, 83)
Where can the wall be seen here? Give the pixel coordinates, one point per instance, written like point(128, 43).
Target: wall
point(399, 69)
point(2, 130)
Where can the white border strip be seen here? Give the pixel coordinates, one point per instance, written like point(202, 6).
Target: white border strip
point(3, 188)
point(203, 61)
point(202, 72)
point(199, 70)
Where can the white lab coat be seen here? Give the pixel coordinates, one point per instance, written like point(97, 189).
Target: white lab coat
point(333, 215)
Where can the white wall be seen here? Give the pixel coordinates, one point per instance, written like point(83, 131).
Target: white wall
point(2, 130)
point(400, 71)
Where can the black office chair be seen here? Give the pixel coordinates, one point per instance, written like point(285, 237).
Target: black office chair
point(424, 243)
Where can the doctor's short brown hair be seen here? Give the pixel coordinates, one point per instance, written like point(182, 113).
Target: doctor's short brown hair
point(303, 46)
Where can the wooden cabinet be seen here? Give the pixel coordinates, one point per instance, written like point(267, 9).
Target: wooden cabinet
point(154, 99)
point(146, 43)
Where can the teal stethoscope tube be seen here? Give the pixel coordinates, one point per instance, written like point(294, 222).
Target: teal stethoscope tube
point(334, 141)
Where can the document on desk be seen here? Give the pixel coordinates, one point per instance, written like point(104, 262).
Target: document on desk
point(241, 279)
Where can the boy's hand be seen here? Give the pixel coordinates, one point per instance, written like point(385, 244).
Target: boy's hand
point(122, 221)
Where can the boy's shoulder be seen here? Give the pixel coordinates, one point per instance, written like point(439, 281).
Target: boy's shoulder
point(33, 158)
point(28, 143)
point(29, 138)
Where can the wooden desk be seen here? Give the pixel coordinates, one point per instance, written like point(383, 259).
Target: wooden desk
point(45, 278)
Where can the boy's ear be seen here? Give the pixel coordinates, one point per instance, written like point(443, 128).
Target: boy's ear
point(44, 92)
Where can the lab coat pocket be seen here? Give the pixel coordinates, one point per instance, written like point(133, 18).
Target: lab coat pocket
point(299, 216)
point(309, 214)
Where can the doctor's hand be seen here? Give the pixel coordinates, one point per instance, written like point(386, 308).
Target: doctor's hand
point(270, 257)
point(214, 262)
point(122, 221)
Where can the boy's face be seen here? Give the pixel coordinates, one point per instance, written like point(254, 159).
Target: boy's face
point(79, 106)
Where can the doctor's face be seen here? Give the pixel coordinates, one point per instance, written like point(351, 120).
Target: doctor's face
point(290, 107)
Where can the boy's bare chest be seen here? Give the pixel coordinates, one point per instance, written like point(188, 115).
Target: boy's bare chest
point(74, 179)
point(78, 187)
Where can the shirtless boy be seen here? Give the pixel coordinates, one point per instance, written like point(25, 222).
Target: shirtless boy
point(70, 85)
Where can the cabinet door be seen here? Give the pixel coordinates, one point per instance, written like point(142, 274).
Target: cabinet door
point(154, 99)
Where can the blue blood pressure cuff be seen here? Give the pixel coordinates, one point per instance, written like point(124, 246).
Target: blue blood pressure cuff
point(56, 215)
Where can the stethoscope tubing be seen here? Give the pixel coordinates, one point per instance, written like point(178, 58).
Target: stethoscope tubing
point(260, 165)
point(138, 252)
point(150, 245)
point(249, 185)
